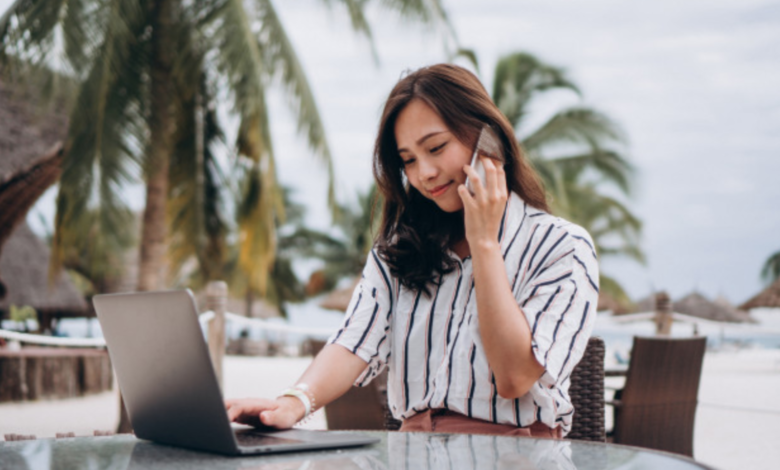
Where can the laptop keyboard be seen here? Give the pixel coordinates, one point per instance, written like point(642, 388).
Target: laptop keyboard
point(257, 439)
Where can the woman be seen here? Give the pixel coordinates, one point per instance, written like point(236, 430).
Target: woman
point(479, 304)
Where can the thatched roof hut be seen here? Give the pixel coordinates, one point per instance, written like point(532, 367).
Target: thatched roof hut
point(769, 297)
point(696, 305)
point(26, 131)
point(30, 156)
point(25, 264)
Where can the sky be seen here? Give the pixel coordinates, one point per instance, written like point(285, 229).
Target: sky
point(693, 84)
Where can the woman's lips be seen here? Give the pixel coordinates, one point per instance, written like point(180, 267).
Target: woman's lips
point(439, 190)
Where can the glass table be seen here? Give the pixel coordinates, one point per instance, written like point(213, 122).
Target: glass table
point(396, 451)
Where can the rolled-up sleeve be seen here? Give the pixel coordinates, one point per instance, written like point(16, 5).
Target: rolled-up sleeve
point(559, 303)
point(366, 328)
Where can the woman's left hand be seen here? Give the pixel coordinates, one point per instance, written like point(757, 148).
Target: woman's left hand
point(483, 211)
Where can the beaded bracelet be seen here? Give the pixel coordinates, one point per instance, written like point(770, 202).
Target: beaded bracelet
point(302, 392)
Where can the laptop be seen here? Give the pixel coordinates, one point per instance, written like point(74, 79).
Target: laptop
point(170, 390)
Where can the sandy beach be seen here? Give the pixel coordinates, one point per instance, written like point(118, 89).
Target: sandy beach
point(735, 422)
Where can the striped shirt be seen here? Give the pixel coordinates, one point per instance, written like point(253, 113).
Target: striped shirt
point(432, 345)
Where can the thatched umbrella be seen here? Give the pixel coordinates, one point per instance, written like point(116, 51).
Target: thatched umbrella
point(646, 304)
point(608, 302)
point(696, 305)
point(339, 298)
point(769, 297)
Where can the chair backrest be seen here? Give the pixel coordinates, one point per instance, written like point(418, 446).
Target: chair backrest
point(366, 408)
point(360, 408)
point(658, 402)
point(587, 394)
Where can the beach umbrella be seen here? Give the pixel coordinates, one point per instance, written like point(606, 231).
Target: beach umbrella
point(608, 302)
point(696, 305)
point(339, 298)
point(646, 304)
point(769, 297)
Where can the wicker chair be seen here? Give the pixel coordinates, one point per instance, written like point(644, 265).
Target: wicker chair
point(366, 408)
point(360, 408)
point(657, 406)
point(587, 394)
point(363, 408)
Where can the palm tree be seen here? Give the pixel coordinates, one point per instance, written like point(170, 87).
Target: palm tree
point(575, 154)
point(283, 284)
point(771, 270)
point(344, 252)
point(142, 64)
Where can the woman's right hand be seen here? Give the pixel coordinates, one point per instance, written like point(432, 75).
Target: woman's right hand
point(280, 413)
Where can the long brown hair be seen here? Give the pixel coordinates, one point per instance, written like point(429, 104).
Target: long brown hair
point(414, 234)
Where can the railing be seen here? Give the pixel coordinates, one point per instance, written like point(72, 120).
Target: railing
point(212, 322)
point(52, 340)
point(205, 319)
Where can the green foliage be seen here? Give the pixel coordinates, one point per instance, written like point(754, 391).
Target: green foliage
point(344, 252)
point(195, 192)
point(22, 314)
point(283, 284)
point(612, 288)
point(770, 272)
point(237, 48)
point(98, 259)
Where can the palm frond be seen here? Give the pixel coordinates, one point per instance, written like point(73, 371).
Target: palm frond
point(410, 9)
point(105, 135)
point(360, 24)
point(611, 287)
point(256, 235)
point(27, 29)
point(469, 54)
point(429, 12)
point(80, 33)
point(614, 228)
point(575, 126)
point(519, 78)
point(195, 208)
point(97, 258)
point(771, 269)
point(283, 60)
point(243, 62)
point(610, 165)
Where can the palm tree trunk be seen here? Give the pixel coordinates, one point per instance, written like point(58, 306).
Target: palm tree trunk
point(153, 232)
point(151, 274)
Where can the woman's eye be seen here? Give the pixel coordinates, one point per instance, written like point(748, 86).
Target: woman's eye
point(438, 148)
point(407, 162)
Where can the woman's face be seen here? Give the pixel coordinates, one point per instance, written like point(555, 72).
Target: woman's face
point(433, 158)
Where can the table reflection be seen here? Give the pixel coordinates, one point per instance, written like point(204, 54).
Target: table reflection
point(396, 451)
point(471, 452)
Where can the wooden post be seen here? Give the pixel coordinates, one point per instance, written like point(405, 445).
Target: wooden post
point(663, 314)
point(216, 301)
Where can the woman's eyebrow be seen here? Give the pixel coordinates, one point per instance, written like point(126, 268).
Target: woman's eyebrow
point(422, 139)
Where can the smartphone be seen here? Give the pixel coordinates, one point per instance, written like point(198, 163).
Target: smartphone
point(488, 144)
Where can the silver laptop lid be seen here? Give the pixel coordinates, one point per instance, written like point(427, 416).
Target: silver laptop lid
point(164, 370)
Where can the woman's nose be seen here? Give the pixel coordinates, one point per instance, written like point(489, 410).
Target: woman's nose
point(428, 170)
